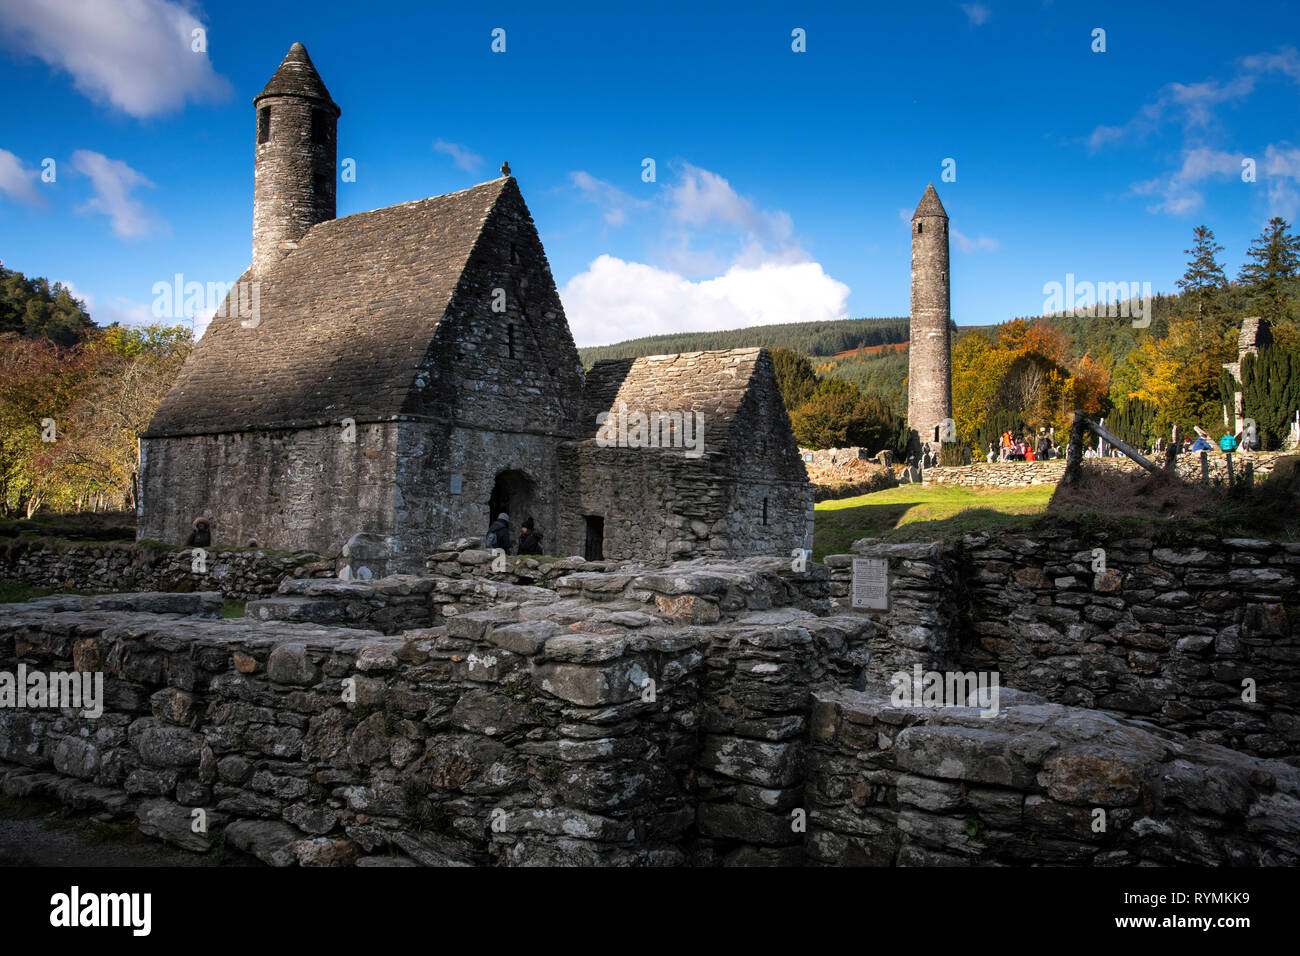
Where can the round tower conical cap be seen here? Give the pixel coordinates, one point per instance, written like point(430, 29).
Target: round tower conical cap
point(297, 76)
point(929, 204)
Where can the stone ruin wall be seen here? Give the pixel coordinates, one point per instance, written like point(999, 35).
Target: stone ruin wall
point(239, 574)
point(1019, 474)
point(1041, 784)
point(524, 706)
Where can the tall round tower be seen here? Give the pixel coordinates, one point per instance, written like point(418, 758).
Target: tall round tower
point(929, 386)
point(294, 159)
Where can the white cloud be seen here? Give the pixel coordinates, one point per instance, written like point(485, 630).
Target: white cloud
point(1177, 191)
point(17, 182)
point(1281, 168)
point(977, 13)
point(720, 262)
point(615, 299)
point(460, 155)
point(135, 55)
point(113, 181)
point(969, 245)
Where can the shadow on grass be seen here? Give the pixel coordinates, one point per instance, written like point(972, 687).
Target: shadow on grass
point(837, 530)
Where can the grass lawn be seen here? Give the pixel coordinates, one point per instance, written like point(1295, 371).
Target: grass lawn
point(919, 512)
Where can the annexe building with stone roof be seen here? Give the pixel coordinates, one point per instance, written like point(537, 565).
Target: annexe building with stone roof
point(395, 378)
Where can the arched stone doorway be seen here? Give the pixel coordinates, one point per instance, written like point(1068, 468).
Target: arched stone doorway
point(514, 493)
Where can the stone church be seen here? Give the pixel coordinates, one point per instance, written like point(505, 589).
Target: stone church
point(408, 373)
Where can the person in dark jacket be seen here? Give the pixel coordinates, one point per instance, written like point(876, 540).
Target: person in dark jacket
point(530, 540)
point(1044, 451)
point(201, 536)
point(498, 535)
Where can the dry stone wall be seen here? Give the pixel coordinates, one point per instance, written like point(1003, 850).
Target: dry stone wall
point(705, 713)
point(1017, 474)
point(586, 724)
point(119, 566)
point(1040, 783)
point(1168, 632)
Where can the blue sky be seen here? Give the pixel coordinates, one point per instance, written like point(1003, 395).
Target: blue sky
point(783, 179)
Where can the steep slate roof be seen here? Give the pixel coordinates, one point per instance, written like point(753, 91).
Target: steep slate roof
point(929, 204)
point(297, 76)
point(346, 319)
point(714, 383)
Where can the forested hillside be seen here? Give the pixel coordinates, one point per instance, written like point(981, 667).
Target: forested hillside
point(810, 338)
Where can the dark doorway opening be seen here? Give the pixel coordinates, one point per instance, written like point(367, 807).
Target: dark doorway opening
point(515, 494)
point(594, 549)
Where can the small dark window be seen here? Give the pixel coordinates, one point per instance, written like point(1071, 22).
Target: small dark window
point(764, 511)
point(510, 339)
point(595, 543)
point(263, 124)
point(514, 255)
point(920, 228)
point(319, 128)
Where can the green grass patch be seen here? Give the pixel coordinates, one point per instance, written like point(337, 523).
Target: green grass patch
point(916, 512)
point(16, 592)
point(232, 609)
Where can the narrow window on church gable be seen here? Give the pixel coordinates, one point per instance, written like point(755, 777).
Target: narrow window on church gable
point(920, 228)
point(514, 255)
point(764, 511)
point(263, 124)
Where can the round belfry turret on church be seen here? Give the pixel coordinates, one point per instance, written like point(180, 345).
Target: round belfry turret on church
point(294, 163)
point(929, 386)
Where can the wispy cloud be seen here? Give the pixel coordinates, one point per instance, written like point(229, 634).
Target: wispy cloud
point(969, 245)
point(113, 182)
point(1177, 191)
point(1194, 108)
point(977, 13)
point(460, 155)
point(135, 55)
point(1282, 175)
point(117, 309)
point(614, 203)
point(16, 181)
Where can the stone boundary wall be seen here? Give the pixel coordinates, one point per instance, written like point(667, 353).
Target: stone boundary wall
point(238, 573)
point(1018, 474)
point(945, 786)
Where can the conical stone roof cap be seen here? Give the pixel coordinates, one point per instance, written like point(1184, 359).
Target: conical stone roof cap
point(297, 76)
point(929, 205)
